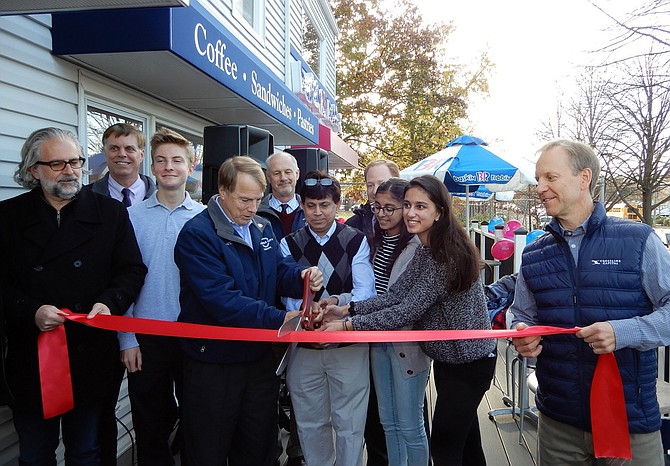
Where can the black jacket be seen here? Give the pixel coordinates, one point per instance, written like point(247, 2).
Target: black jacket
point(362, 220)
point(90, 256)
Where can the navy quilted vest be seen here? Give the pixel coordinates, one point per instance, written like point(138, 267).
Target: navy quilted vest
point(605, 285)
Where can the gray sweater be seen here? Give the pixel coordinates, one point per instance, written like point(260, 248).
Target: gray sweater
point(420, 298)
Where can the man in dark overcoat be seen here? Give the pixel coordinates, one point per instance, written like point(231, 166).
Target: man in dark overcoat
point(62, 247)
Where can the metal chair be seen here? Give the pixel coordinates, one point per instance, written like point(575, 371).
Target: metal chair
point(516, 375)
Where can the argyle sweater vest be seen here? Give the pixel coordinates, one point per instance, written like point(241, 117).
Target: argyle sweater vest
point(333, 258)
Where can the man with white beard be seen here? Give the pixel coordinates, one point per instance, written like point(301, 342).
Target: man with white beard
point(62, 247)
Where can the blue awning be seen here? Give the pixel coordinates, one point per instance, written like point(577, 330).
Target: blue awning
point(185, 56)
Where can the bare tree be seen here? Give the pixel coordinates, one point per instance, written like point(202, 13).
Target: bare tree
point(637, 135)
point(635, 31)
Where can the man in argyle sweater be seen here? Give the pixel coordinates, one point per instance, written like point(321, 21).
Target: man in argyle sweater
point(330, 384)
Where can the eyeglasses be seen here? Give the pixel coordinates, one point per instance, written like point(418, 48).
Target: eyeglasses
point(59, 165)
point(321, 181)
point(388, 210)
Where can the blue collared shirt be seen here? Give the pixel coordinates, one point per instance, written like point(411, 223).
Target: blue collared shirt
point(363, 276)
point(138, 190)
point(156, 229)
point(242, 230)
point(275, 203)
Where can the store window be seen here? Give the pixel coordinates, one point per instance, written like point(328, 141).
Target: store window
point(98, 119)
point(311, 45)
point(251, 12)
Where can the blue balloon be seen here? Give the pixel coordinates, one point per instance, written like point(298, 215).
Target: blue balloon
point(493, 222)
point(533, 235)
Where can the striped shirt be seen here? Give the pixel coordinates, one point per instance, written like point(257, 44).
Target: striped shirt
point(382, 262)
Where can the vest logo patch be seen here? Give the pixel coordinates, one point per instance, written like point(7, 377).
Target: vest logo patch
point(266, 243)
point(615, 262)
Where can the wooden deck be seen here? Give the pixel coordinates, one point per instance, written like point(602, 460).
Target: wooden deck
point(500, 436)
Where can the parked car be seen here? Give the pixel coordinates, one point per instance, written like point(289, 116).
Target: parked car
point(664, 234)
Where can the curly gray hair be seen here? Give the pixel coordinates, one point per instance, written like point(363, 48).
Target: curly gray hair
point(31, 153)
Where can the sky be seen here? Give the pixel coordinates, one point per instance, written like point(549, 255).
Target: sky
point(536, 45)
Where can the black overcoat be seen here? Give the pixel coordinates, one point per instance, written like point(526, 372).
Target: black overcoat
point(85, 254)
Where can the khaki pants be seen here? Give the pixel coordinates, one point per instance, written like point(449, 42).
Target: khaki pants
point(565, 445)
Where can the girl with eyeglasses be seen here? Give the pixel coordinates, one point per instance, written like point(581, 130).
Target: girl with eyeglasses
point(439, 290)
point(400, 370)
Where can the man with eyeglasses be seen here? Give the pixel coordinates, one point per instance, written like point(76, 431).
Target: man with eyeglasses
point(330, 385)
point(63, 247)
point(123, 146)
point(231, 269)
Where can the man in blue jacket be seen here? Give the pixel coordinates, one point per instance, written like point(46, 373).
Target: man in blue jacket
point(608, 276)
point(230, 269)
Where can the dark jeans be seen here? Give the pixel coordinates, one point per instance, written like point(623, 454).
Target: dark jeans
point(152, 398)
point(375, 439)
point(230, 412)
point(109, 430)
point(39, 438)
point(455, 438)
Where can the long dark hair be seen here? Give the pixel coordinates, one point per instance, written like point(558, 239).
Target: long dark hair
point(448, 240)
point(396, 188)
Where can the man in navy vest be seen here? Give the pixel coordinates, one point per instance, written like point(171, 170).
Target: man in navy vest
point(608, 276)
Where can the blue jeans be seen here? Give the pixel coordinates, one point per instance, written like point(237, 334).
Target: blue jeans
point(400, 403)
point(38, 437)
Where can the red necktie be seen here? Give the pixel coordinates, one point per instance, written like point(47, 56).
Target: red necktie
point(286, 219)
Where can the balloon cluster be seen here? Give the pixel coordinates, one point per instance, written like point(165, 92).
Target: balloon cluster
point(503, 248)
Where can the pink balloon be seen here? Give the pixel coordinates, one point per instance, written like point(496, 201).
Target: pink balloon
point(510, 227)
point(502, 249)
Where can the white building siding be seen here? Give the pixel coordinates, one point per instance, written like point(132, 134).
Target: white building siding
point(36, 90)
point(275, 35)
point(295, 27)
point(267, 46)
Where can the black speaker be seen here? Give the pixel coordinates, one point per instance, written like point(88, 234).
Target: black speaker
point(226, 141)
point(309, 159)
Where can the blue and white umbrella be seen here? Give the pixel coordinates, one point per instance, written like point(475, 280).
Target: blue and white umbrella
point(466, 164)
point(483, 194)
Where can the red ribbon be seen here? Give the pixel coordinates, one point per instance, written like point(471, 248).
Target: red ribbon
point(609, 422)
point(56, 383)
point(607, 403)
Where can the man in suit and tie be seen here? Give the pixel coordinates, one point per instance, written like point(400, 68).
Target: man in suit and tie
point(124, 151)
point(123, 145)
